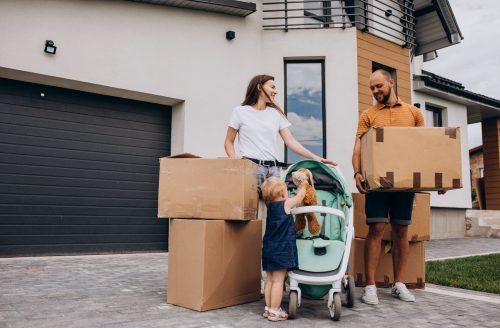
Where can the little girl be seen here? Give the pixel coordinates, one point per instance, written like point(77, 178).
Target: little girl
point(279, 251)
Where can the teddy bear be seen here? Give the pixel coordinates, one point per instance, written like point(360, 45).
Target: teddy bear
point(303, 175)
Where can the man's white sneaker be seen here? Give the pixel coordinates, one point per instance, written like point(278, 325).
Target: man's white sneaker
point(370, 295)
point(400, 291)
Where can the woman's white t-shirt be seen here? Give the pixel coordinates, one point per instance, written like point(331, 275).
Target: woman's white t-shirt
point(258, 131)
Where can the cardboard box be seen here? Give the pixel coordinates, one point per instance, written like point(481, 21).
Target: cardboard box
point(214, 263)
point(413, 276)
point(411, 158)
point(202, 188)
point(418, 230)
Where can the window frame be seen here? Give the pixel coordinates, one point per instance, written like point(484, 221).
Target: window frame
point(435, 110)
point(323, 98)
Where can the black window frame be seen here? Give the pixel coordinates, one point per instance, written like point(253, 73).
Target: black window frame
point(436, 110)
point(323, 98)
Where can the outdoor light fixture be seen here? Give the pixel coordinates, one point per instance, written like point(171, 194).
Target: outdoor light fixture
point(50, 48)
point(388, 13)
point(230, 35)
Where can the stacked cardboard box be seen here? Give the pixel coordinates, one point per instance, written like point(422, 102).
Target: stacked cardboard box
point(214, 234)
point(418, 233)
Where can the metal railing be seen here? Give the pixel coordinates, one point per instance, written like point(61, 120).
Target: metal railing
point(390, 19)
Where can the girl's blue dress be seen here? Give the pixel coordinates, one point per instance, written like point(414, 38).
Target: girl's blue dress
point(279, 249)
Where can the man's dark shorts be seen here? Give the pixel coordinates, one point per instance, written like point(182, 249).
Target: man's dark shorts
point(380, 206)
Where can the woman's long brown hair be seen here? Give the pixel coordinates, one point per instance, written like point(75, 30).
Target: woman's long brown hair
point(252, 94)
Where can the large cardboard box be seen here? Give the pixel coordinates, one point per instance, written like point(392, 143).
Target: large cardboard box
point(418, 230)
point(413, 276)
point(202, 188)
point(411, 158)
point(213, 263)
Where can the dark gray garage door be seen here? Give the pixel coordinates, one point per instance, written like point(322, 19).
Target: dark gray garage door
point(79, 171)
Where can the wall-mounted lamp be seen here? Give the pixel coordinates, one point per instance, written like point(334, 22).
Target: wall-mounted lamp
point(230, 35)
point(50, 48)
point(388, 13)
point(416, 105)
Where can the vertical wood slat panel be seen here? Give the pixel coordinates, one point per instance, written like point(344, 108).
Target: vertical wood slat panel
point(373, 49)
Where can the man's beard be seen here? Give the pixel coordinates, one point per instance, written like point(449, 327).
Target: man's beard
point(386, 97)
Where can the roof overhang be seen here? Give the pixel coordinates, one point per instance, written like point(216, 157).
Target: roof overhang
point(436, 26)
point(228, 7)
point(477, 111)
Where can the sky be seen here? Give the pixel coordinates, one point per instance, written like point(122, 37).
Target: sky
point(474, 62)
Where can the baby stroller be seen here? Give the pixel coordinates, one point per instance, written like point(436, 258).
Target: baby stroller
point(323, 259)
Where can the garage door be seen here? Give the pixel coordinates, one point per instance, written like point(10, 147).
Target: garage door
point(79, 171)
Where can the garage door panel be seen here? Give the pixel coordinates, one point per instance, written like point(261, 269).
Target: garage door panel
point(75, 154)
point(54, 133)
point(77, 201)
point(78, 102)
point(86, 229)
point(158, 133)
point(16, 189)
point(66, 111)
point(79, 239)
point(86, 146)
point(76, 164)
point(34, 170)
point(79, 172)
point(76, 210)
point(51, 219)
point(77, 182)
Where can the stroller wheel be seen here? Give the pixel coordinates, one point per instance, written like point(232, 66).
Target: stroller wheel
point(348, 292)
point(336, 307)
point(292, 304)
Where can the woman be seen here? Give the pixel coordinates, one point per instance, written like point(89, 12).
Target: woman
point(257, 122)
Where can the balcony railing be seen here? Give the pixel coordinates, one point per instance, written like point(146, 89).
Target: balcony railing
point(389, 19)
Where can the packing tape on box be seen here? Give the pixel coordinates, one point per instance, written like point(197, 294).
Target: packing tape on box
point(379, 134)
point(451, 132)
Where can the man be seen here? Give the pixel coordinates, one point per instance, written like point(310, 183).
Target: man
point(385, 207)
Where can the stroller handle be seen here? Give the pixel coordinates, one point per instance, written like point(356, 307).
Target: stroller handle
point(317, 209)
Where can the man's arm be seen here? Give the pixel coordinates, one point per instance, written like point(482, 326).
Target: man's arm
point(356, 165)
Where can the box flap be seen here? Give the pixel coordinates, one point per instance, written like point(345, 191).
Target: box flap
point(184, 155)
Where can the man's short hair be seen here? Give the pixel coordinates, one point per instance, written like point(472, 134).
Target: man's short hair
point(386, 74)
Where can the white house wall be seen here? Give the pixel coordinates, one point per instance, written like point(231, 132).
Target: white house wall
point(454, 115)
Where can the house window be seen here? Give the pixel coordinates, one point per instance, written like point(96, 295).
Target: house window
point(324, 11)
point(305, 106)
point(392, 71)
point(435, 114)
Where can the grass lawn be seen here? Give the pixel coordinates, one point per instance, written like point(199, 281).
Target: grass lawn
point(480, 273)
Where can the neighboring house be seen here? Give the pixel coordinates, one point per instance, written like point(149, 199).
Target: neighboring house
point(476, 162)
point(131, 81)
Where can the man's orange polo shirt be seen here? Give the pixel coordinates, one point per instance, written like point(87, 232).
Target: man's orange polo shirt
point(400, 114)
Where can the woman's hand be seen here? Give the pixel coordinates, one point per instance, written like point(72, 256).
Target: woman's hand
point(327, 161)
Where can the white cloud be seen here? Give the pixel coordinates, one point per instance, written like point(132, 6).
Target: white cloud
point(307, 130)
point(473, 62)
point(303, 77)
